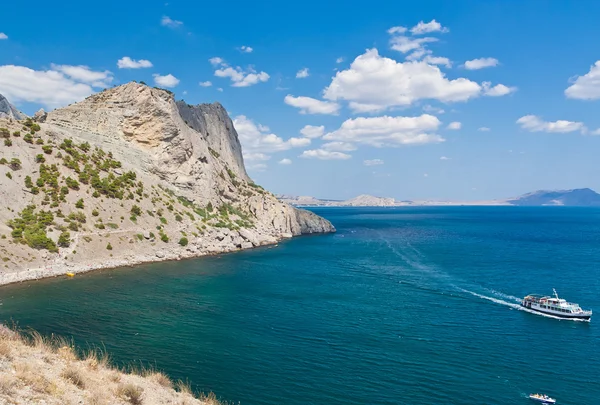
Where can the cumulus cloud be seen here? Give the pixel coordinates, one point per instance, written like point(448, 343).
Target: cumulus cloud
point(322, 154)
point(246, 49)
point(373, 162)
point(285, 161)
point(239, 77)
point(425, 28)
point(216, 61)
point(302, 73)
point(397, 30)
point(454, 125)
point(3, 36)
point(166, 80)
point(586, 87)
point(444, 158)
point(388, 131)
point(375, 83)
point(309, 105)
point(312, 131)
point(168, 22)
point(127, 63)
point(205, 84)
point(406, 44)
point(339, 146)
point(258, 140)
point(480, 63)
point(497, 90)
point(59, 86)
point(434, 110)
point(339, 60)
point(533, 123)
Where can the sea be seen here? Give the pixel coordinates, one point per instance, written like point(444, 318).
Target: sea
point(404, 305)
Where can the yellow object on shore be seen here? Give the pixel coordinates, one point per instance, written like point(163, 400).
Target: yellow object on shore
point(70, 274)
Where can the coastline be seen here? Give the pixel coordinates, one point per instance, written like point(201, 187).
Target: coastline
point(61, 269)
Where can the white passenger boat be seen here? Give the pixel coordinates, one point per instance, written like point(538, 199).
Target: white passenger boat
point(555, 306)
point(544, 399)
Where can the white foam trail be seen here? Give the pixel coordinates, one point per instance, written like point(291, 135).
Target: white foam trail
point(517, 306)
point(506, 296)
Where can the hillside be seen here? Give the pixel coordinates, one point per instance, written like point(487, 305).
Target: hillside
point(583, 197)
point(7, 110)
point(129, 176)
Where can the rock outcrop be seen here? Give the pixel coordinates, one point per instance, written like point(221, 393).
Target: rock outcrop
point(134, 177)
point(7, 110)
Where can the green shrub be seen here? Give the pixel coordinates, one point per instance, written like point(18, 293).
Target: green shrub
point(9, 175)
point(178, 218)
point(140, 236)
point(3, 161)
point(79, 203)
point(7, 142)
point(15, 164)
point(39, 141)
point(40, 158)
point(28, 182)
point(95, 212)
point(100, 226)
point(112, 225)
point(47, 149)
point(183, 241)
point(163, 220)
point(109, 246)
point(64, 240)
point(28, 138)
point(135, 210)
point(72, 183)
point(4, 133)
point(163, 236)
point(17, 134)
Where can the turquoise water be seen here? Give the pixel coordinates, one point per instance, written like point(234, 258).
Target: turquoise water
point(403, 305)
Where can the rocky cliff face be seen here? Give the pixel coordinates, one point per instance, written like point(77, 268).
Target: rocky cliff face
point(111, 172)
point(7, 110)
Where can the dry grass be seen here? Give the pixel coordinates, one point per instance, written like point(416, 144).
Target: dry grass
point(36, 369)
point(131, 393)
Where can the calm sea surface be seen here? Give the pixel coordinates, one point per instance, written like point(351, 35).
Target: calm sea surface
point(401, 306)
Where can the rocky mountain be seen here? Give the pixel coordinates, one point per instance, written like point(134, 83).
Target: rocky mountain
point(7, 110)
point(363, 200)
point(128, 176)
point(583, 197)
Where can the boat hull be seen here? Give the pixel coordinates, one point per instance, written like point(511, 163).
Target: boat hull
point(563, 316)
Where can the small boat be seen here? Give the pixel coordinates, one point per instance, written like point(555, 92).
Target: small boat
point(555, 306)
point(70, 274)
point(544, 399)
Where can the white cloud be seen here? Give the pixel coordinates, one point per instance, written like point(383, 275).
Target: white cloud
point(339, 146)
point(127, 63)
point(312, 131)
point(3, 36)
point(165, 81)
point(373, 162)
point(241, 78)
point(257, 140)
point(302, 73)
point(454, 125)
point(406, 44)
point(285, 161)
point(339, 60)
point(444, 158)
point(52, 88)
point(424, 28)
point(388, 131)
point(437, 60)
point(484, 129)
point(375, 83)
point(397, 30)
point(322, 154)
point(434, 110)
point(84, 74)
point(308, 105)
point(497, 90)
point(533, 123)
point(216, 61)
point(168, 22)
point(480, 63)
point(205, 84)
point(586, 87)
point(596, 132)
point(220, 89)
point(256, 157)
point(246, 49)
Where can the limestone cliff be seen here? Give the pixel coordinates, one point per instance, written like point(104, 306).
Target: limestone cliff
point(7, 110)
point(98, 179)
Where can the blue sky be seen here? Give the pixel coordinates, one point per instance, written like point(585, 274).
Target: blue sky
point(382, 87)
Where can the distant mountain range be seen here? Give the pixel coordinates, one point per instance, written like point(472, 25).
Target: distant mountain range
point(583, 197)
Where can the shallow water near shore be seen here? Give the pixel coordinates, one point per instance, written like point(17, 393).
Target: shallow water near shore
point(415, 305)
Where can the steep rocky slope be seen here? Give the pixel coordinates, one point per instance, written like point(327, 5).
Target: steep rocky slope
point(128, 176)
point(7, 110)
